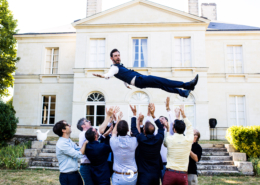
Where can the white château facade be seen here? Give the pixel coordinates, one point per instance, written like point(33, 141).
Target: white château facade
point(54, 80)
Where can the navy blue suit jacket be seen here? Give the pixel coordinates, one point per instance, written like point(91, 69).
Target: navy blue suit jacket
point(98, 153)
point(149, 158)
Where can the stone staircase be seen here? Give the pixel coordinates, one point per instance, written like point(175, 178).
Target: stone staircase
point(46, 158)
point(216, 160)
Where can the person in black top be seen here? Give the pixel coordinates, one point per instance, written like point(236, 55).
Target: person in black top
point(195, 155)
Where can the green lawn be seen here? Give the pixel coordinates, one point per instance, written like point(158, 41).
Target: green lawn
point(43, 177)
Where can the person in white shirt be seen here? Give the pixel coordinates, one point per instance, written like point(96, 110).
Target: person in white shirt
point(83, 125)
point(142, 81)
point(123, 147)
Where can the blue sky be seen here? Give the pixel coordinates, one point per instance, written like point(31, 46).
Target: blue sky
point(36, 15)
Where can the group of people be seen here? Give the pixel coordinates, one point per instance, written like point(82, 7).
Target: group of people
point(143, 155)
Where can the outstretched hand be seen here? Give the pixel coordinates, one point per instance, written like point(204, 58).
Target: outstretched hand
point(133, 108)
point(141, 118)
point(108, 131)
point(98, 75)
point(182, 111)
point(152, 109)
point(168, 104)
point(177, 112)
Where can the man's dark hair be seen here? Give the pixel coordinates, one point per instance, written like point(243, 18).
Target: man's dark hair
point(57, 129)
point(179, 126)
point(164, 117)
point(90, 135)
point(122, 128)
point(149, 128)
point(113, 51)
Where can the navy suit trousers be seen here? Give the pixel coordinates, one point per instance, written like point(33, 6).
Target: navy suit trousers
point(170, 86)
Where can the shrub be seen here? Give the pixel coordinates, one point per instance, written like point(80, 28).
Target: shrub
point(256, 165)
point(8, 122)
point(245, 139)
point(9, 155)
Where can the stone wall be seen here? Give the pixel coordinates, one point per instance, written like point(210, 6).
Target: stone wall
point(19, 139)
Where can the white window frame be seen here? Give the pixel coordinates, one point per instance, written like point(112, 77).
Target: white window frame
point(95, 104)
point(234, 58)
point(52, 59)
point(49, 109)
point(236, 103)
point(182, 51)
point(97, 51)
point(139, 52)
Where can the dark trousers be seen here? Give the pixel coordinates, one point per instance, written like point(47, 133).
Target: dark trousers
point(70, 179)
point(148, 178)
point(163, 171)
point(170, 86)
point(175, 178)
point(86, 174)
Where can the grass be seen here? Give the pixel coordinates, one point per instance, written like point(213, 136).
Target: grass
point(44, 177)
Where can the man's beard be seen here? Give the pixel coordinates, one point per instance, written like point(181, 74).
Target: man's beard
point(117, 61)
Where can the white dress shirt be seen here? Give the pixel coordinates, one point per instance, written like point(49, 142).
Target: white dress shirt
point(82, 140)
point(113, 71)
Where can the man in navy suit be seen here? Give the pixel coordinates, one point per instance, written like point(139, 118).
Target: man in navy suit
point(149, 161)
point(98, 153)
point(142, 81)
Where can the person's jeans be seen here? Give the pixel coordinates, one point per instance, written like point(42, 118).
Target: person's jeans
point(175, 178)
point(163, 172)
point(120, 179)
point(86, 174)
point(192, 179)
point(70, 179)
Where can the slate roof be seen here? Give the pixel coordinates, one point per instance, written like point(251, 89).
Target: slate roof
point(220, 26)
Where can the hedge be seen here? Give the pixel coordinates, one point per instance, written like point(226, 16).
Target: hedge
point(245, 139)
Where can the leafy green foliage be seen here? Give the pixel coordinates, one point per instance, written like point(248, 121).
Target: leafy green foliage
point(8, 51)
point(256, 165)
point(8, 123)
point(245, 139)
point(9, 155)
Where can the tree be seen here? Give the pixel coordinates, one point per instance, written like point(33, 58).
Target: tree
point(8, 123)
point(8, 50)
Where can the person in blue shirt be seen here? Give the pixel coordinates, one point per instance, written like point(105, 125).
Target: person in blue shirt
point(131, 77)
point(67, 153)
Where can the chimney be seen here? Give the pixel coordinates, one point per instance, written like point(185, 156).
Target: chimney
point(93, 7)
point(194, 7)
point(209, 10)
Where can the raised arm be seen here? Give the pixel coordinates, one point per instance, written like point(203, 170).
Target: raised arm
point(133, 122)
point(157, 121)
point(109, 113)
point(120, 116)
point(140, 122)
point(189, 134)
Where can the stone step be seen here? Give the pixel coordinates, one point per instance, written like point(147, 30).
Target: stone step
point(50, 146)
point(216, 172)
point(43, 167)
point(214, 150)
point(45, 164)
point(215, 154)
point(215, 163)
point(216, 158)
point(49, 150)
point(47, 154)
point(52, 142)
point(47, 159)
point(217, 167)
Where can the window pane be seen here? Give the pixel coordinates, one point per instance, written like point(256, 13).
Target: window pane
point(100, 109)
point(100, 120)
point(90, 109)
point(48, 112)
point(91, 119)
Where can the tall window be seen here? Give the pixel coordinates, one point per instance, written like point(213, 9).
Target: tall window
point(95, 109)
point(235, 62)
point(48, 109)
point(182, 52)
point(189, 107)
point(52, 58)
point(237, 110)
point(141, 101)
point(97, 53)
point(140, 53)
